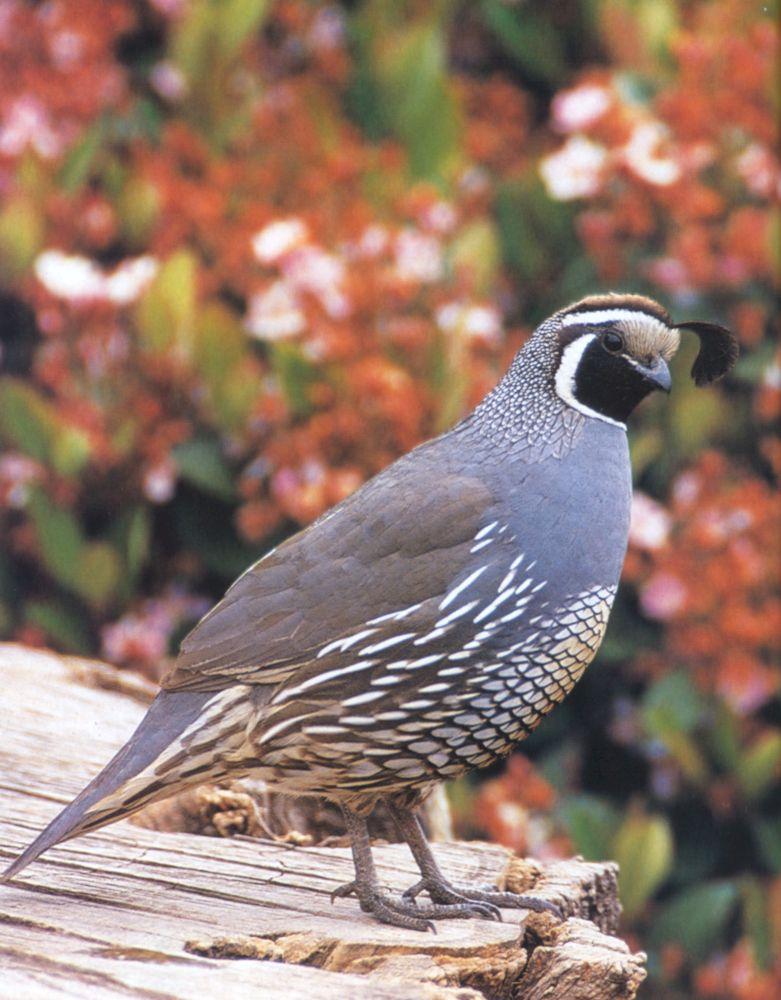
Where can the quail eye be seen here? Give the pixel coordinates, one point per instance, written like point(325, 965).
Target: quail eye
point(613, 342)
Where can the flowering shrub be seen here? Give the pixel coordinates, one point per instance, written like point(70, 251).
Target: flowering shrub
point(250, 253)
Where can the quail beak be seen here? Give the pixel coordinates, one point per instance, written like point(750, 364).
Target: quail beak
point(657, 374)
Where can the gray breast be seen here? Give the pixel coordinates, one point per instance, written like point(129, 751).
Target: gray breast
point(432, 690)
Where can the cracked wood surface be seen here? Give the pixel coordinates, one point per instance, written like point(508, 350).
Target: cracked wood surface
point(131, 912)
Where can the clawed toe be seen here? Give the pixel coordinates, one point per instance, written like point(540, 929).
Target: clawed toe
point(406, 912)
point(512, 900)
point(348, 889)
point(488, 898)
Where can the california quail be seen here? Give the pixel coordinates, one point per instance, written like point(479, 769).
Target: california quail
point(425, 625)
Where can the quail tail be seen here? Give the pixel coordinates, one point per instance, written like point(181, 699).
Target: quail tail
point(132, 779)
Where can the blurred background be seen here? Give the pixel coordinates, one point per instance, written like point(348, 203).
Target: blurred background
point(251, 252)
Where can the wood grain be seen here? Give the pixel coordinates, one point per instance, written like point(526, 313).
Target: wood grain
point(132, 912)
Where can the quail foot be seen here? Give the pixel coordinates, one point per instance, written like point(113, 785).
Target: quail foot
point(426, 625)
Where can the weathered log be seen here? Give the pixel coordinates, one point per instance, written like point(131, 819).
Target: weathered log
point(133, 911)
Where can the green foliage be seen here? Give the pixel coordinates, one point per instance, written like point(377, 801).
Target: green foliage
point(89, 569)
point(643, 847)
point(200, 462)
point(592, 823)
point(165, 315)
point(404, 83)
point(529, 37)
point(696, 918)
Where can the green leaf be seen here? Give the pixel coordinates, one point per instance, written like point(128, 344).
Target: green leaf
point(723, 735)
point(200, 462)
point(166, 312)
point(99, 574)
point(60, 623)
point(138, 205)
point(411, 68)
point(696, 919)
point(130, 535)
point(529, 38)
point(643, 848)
point(30, 423)
point(70, 450)
point(27, 421)
point(671, 709)
point(672, 704)
point(477, 248)
point(220, 342)
point(591, 823)
point(236, 20)
point(536, 232)
point(767, 833)
point(21, 236)
point(759, 767)
point(756, 920)
point(296, 375)
point(78, 163)
point(205, 526)
point(59, 539)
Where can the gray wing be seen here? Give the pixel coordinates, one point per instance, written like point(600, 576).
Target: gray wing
point(398, 541)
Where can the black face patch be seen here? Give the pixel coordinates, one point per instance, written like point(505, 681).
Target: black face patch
point(608, 383)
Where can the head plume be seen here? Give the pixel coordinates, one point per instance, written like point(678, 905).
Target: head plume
point(718, 351)
point(718, 346)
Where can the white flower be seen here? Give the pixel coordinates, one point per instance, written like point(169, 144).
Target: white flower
point(473, 321)
point(576, 109)
point(649, 525)
point(771, 377)
point(440, 217)
point(321, 274)
point(169, 81)
point(274, 314)
point(159, 482)
point(642, 155)
point(418, 257)
point(575, 171)
point(66, 47)
point(279, 238)
point(69, 276)
point(374, 240)
point(75, 278)
point(27, 123)
point(129, 280)
point(327, 30)
point(759, 170)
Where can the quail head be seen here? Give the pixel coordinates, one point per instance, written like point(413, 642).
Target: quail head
point(425, 625)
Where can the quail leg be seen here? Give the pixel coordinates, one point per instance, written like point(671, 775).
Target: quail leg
point(383, 906)
point(443, 892)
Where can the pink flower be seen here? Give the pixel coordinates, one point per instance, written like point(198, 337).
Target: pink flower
point(279, 238)
point(575, 171)
point(760, 171)
point(643, 156)
point(169, 81)
point(576, 109)
point(274, 314)
point(17, 474)
point(476, 322)
point(310, 269)
point(649, 527)
point(27, 123)
point(663, 596)
point(159, 483)
point(418, 257)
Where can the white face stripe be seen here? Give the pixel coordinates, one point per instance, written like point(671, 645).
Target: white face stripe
point(607, 316)
point(565, 376)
